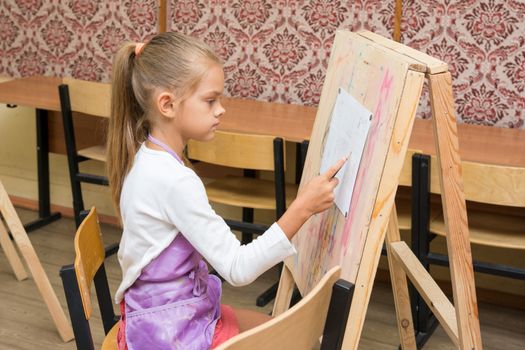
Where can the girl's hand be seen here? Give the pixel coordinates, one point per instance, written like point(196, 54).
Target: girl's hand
point(318, 194)
point(314, 197)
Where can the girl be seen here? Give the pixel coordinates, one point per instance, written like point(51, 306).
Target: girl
point(164, 93)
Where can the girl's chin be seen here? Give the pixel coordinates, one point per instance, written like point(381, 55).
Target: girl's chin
point(210, 136)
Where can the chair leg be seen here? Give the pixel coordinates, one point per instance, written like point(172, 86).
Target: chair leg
point(83, 338)
point(269, 294)
point(104, 299)
point(301, 149)
point(247, 216)
point(78, 201)
point(424, 321)
point(337, 316)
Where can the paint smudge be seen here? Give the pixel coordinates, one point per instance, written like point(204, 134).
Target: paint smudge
point(377, 122)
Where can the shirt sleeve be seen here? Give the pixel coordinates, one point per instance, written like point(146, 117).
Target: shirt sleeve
point(190, 211)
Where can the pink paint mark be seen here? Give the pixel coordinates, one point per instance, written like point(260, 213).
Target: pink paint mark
point(384, 94)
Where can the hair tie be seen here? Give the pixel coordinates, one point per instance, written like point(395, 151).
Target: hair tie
point(138, 48)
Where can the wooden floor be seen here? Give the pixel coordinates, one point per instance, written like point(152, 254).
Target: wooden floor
point(26, 324)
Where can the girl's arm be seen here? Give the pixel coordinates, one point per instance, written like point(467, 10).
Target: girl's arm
point(193, 216)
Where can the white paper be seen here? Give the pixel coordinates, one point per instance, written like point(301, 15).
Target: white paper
point(349, 125)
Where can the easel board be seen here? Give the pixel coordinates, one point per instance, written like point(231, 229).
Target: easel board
point(378, 80)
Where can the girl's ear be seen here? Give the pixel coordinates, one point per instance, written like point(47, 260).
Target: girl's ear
point(166, 104)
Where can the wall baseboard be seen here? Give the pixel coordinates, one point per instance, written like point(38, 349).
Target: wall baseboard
point(32, 204)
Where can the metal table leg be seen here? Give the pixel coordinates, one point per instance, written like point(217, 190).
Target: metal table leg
point(42, 148)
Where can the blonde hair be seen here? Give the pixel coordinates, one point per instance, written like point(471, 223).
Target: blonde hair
point(171, 61)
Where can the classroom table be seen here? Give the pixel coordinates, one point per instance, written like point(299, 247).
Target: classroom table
point(477, 143)
point(40, 93)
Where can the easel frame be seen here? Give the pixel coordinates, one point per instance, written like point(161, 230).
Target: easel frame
point(460, 323)
point(27, 251)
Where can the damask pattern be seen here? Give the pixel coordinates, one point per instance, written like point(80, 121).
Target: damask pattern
point(278, 50)
point(482, 41)
point(69, 37)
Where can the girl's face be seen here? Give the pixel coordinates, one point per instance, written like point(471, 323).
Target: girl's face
point(199, 114)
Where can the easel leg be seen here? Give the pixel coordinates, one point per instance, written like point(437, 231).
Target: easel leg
point(11, 254)
point(284, 293)
point(400, 288)
point(454, 210)
point(37, 271)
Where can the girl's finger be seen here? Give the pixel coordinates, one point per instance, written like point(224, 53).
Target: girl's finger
point(330, 173)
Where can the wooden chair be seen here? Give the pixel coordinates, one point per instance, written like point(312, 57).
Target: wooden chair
point(495, 208)
point(77, 280)
point(249, 152)
point(320, 313)
point(88, 98)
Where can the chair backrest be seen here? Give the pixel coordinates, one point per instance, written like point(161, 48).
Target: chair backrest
point(90, 254)
point(89, 97)
point(78, 278)
point(245, 151)
point(487, 183)
point(298, 328)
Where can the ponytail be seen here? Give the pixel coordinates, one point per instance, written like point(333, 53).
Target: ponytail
point(127, 125)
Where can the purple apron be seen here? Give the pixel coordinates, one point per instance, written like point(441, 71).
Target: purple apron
point(175, 303)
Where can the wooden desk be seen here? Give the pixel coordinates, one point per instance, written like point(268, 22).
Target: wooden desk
point(294, 123)
point(291, 122)
point(42, 94)
point(477, 143)
point(36, 92)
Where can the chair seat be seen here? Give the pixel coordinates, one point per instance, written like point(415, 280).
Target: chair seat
point(491, 229)
point(404, 212)
point(110, 342)
point(97, 152)
point(247, 192)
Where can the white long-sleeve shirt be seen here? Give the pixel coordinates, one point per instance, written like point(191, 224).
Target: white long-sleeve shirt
point(162, 198)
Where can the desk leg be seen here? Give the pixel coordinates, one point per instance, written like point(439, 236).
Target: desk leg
point(44, 207)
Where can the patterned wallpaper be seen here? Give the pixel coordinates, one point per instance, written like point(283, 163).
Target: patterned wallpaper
point(483, 43)
point(278, 50)
point(69, 37)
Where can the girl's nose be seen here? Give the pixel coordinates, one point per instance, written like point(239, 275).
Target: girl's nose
point(220, 111)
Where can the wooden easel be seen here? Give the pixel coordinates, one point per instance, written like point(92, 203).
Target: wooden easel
point(366, 56)
point(21, 239)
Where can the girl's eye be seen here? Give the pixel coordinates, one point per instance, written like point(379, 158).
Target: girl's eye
point(211, 101)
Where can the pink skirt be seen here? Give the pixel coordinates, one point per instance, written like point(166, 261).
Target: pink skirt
point(225, 328)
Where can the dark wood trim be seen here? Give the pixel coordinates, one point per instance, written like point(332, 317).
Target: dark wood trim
point(398, 14)
point(163, 16)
